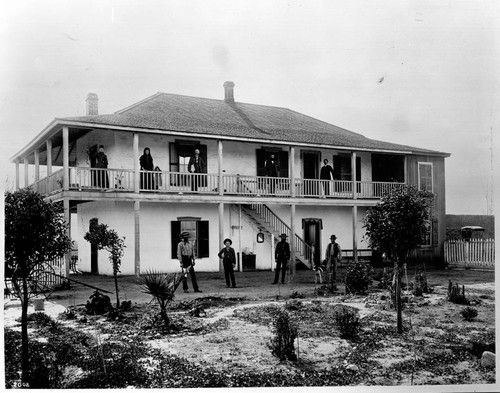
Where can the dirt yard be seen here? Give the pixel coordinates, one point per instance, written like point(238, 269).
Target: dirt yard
point(230, 330)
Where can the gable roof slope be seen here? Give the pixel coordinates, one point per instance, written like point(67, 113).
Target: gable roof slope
point(172, 112)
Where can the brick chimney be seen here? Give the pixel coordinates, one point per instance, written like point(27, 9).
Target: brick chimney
point(92, 104)
point(229, 92)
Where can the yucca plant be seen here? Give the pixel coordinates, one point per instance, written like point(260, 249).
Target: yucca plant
point(161, 286)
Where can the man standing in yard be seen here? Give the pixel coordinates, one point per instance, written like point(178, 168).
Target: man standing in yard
point(185, 254)
point(282, 255)
point(333, 255)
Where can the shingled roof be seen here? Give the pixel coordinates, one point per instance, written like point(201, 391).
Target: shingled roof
point(202, 116)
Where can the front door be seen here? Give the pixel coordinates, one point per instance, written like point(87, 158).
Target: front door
point(312, 236)
point(93, 250)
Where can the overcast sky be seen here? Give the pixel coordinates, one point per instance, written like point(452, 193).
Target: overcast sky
point(420, 73)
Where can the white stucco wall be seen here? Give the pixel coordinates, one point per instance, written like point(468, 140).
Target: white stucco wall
point(155, 235)
point(336, 220)
point(238, 157)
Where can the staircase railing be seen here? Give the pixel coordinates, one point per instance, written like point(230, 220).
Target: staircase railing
point(299, 245)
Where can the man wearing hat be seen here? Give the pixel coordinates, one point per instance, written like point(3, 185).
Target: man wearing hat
point(282, 255)
point(185, 254)
point(333, 255)
point(229, 261)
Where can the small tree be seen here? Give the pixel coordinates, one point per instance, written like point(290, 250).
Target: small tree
point(397, 225)
point(107, 239)
point(161, 286)
point(35, 232)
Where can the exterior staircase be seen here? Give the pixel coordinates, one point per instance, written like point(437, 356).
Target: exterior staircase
point(263, 217)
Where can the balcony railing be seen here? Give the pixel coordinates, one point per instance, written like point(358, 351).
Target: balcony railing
point(88, 179)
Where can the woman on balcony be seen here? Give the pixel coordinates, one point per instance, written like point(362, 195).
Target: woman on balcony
point(99, 160)
point(146, 162)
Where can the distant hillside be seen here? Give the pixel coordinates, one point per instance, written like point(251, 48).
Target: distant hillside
point(454, 222)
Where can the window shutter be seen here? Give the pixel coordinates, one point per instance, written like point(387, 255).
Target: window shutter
point(336, 167)
point(203, 241)
point(283, 157)
point(261, 160)
point(175, 231)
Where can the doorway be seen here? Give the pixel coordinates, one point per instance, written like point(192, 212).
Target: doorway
point(312, 235)
point(93, 250)
point(310, 171)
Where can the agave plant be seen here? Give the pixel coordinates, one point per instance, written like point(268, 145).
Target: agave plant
point(161, 286)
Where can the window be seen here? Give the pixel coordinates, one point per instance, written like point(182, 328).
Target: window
point(280, 155)
point(342, 168)
point(431, 235)
point(425, 176)
point(198, 231)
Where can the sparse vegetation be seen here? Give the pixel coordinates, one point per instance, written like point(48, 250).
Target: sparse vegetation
point(348, 323)
point(456, 294)
point(357, 277)
point(469, 313)
point(282, 344)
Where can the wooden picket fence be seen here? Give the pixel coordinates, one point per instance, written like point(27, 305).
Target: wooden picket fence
point(473, 253)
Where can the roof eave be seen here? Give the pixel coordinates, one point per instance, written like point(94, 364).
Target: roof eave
point(58, 123)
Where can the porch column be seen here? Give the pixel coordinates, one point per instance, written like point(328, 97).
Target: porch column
point(353, 174)
point(65, 135)
point(26, 172)
point(49, 156)
point(292, 239)
point(37, 165)
point(17, 175)
point(219, 155)
point(137, 238)
point(292, 171)
point(221, 231)
point(136, 162)
point(354, 235)
point(67, 219)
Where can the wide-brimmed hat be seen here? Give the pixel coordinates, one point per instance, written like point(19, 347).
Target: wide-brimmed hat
point(184, 234)
point(333, 237)
point(283, 235)
point(228, 240)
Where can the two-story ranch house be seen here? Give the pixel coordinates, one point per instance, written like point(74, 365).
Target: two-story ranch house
point(233, 195)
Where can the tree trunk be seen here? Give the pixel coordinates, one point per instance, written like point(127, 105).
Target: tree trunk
point(116, 289)
point(398, 300)
point(25, 362)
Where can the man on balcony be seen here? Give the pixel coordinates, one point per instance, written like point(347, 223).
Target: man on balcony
point(326, 175)
point(272, 170)
point(196, 165)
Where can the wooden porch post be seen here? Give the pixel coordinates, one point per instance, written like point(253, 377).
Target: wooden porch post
point(292, 171)
point(17, 175)
point(49, 156)
point(136, 162)
point(354, 234)
point(37, 165)
point(292, 239)
point(67, 218)
point(26, 172)
point(221, 231)
point(137, 237)
point(219, 155)
point(353, 174)
point(65, 135)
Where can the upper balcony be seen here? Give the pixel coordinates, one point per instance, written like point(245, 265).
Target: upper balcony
point(85, 180)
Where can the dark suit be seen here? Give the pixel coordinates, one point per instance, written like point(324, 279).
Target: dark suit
point(196, 165)
point(326, 174)
point(282, 255)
